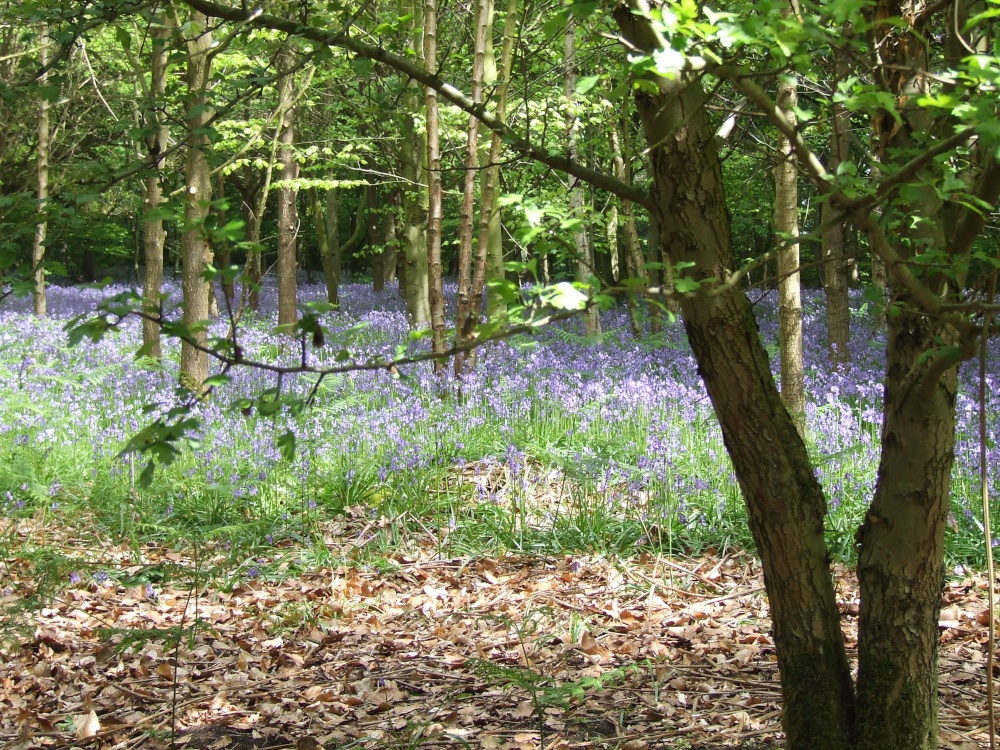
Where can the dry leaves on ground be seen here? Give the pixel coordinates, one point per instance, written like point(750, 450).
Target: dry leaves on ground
point(516, 653)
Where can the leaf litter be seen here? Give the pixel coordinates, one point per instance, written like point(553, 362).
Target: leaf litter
point(510, 653)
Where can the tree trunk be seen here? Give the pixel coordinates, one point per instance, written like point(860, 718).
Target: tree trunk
point(195, 253)
point(328, 239)
point(786, 224)
point(389, 238)
point(412, 150)
point(225, 252)
point(901, 553)
point(785, 504)
point(374, 238)
point(42, 175)
point(254, 272)
point(468, 305)
point(635, 265)
point(490, 218)
point(584, 252)
point(288, 219)
point(835, 263)
point(436, 276)
point(153, 235)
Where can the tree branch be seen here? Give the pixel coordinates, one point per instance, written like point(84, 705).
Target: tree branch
point(447, 91)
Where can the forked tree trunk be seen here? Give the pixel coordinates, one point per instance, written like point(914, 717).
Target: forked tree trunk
point(195, 251)
point(42, 175)
point(153, 235)
point(786, 224)
point(288, 218)
point(785, 504)
point(436, 275)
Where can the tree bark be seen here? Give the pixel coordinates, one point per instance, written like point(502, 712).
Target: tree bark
point(786, 224)
point(195, 251)
point(584, 252)
point(785, 504)
point(288, 219)
point(435, 271)
point(38, 298)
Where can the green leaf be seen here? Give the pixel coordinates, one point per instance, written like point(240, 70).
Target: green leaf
point(565, 296)
point(585, 84)
point(286, 444)
point(214, 381)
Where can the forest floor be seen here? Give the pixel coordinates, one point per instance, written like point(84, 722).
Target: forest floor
point(515, 653)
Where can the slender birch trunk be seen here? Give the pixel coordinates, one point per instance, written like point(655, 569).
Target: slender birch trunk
point(491, 221)
point(635, 264)
point(225, 252)
point(412, 152)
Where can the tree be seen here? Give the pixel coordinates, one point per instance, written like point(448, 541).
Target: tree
point(288, 218)
point(153, 235)
point(470, 289)
point(581, 243)
point(835, 276)
point(42, 180)
point(434, 192)
point(786, 225)
point(412, 149)
point(195, 248)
